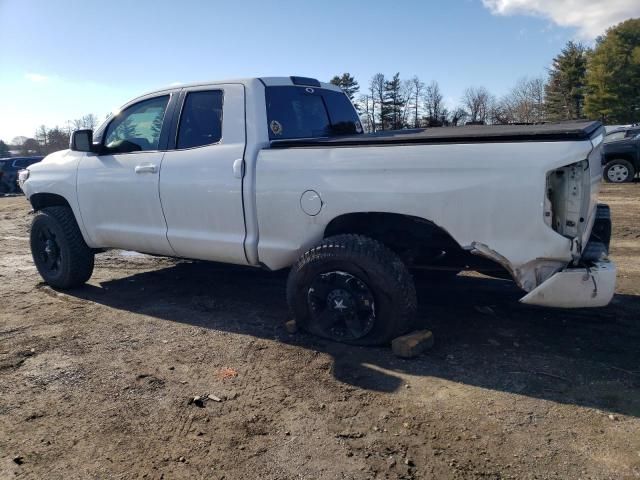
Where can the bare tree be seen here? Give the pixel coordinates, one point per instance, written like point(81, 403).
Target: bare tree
point(416, 92)
point(478, 103)
point(30, 147)
point(89, 121)
point(523, 104)
point(42, 136)
point(457, 116)
point(366, 109)
point(434, 105)
point(376, 87)
point(18, 141)
point(406, 95)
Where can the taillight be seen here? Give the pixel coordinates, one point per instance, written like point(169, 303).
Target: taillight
point(567, 199)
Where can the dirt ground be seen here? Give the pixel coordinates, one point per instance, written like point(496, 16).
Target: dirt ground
point(96, 382)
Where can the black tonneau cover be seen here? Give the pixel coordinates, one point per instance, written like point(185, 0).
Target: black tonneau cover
point(551, 132)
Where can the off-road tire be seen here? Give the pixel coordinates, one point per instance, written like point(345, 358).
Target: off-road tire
point(75, 257)
point(619, 162)
point(370, 261)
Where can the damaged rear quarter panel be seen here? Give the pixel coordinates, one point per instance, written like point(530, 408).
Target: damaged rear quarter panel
point(489, 194)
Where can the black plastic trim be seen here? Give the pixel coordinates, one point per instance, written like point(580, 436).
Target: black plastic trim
point(305, 81)
point(164, 141)
point(559, 132)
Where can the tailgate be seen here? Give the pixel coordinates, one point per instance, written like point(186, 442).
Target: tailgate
point(595, 170)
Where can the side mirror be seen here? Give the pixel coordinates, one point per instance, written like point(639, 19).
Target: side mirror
point(82, 141)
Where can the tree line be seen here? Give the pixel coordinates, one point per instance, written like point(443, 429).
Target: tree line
point(47, 140)
point(600, 83)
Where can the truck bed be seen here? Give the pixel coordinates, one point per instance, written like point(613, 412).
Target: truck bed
point(552, 132)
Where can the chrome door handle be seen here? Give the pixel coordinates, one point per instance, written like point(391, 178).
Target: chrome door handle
point(146, 168)
point(238, 168)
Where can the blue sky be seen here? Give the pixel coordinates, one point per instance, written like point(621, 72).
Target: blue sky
point(62, 59)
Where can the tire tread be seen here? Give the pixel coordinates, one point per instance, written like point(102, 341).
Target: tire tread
point(81, 259)
point(356, 249)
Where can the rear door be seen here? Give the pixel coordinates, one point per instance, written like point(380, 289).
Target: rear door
point(201, 178)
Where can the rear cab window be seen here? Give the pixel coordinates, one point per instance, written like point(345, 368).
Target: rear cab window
point(309, 112)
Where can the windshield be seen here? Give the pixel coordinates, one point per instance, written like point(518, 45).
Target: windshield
point(307, 112)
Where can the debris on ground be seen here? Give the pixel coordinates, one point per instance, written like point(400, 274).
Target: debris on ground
point(226, 373)
point(291, 326)
point(413, 344)
point(463, 401)
point(198, 401)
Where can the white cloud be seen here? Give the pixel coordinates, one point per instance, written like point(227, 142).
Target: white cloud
point(590, 17)
point(36, 77)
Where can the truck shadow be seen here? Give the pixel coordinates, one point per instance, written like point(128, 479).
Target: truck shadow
point(484, 337)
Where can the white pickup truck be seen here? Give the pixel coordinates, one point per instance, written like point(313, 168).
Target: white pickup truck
point(278, 173)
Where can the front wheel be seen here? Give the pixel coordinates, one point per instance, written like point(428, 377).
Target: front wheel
point(352, 289)
point(619, 171)
point(61, 255)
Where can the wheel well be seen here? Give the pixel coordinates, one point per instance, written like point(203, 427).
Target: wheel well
point(419, 242)
point(44, 200)
point(619, 156)
point(413, 238)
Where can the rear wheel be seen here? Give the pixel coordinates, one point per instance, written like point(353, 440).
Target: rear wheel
point(352, 289)
point(619, 171)
point(60, 254)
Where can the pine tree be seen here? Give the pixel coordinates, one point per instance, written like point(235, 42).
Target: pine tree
point(393, 103)
point(564, 91)
point(126, 130)
point(156, 127)
point(613, 77)
point(347, 83)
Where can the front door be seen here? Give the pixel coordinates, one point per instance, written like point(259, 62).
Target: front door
point(201, 178)
point(118, 188)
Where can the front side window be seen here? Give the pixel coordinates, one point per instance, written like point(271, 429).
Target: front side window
point(309, 112)
point(138, 127)
point(201, 119)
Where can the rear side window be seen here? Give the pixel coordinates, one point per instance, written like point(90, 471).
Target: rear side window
point(308, 112)
point(22, 163)
point(201, 119)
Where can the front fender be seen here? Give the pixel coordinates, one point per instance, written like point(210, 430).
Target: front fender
point(57, 174)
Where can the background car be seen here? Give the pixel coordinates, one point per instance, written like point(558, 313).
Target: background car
point(621, 154)
point(9, 168)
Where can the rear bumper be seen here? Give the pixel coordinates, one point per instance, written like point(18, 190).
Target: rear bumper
point(592, 285)
point(576, 287)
